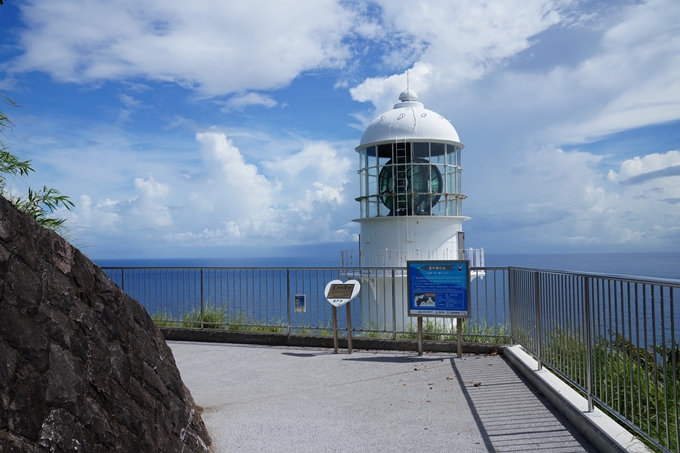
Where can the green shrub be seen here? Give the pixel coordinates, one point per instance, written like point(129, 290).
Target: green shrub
point(447, 331)
point(213, 317)
point(161, 319)
point(640, 385)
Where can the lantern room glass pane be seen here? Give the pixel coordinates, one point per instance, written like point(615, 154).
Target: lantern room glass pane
point(450, 180)
point(410, 179)
point(372, 207)
point(421, 150)
point(437, 149)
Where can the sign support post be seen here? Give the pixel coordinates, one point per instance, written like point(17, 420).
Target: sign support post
point(349, 329)
point(339, 294)
point(420, 336)
point(459, 331)
point(334, 310)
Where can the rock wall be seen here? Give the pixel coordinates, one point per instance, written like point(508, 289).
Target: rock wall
point(82, 367)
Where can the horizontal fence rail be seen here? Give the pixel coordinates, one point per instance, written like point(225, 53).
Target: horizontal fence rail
point(613, 338)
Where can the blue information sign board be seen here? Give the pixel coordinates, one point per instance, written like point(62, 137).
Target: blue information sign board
point(439, 288)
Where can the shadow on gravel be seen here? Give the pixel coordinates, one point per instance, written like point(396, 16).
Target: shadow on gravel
point(292, 354)
point(378, 359)
point(510, 413)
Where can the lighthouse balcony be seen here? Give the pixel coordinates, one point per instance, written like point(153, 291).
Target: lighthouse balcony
point(399, 258)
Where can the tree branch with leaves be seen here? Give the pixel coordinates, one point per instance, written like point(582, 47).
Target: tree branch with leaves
point(40, 204)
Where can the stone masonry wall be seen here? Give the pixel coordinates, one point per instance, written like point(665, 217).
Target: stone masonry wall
point(82, 367)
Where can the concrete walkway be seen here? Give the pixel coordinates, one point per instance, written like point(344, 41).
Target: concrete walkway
point(262, 398)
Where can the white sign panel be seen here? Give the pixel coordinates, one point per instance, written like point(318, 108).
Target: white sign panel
point(339, 293)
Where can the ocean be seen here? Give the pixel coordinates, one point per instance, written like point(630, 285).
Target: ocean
point(654, 265)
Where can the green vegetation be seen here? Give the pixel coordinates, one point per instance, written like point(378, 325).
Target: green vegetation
point(163, 320)
point(445, 330)
point(640, 384)
point(375, 332)
point(215, 318)
point(309, 330)
point(218, 318)
point(431, 331)
point(39, 204)
point(475, 332)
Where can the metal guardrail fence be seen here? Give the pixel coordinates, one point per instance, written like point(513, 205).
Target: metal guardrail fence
point(264, 299)
point(613, 338)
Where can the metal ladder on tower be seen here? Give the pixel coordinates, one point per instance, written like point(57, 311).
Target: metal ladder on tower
point(401, 180)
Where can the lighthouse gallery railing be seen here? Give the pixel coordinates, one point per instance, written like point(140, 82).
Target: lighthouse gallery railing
point(613, 338)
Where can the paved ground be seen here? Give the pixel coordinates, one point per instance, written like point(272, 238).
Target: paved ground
point(259, 399)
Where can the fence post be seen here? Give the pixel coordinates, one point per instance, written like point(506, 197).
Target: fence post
point(537, 296)
point(288, 298)
point(512, 302)
point(589, 345)
point(394, 306)
point(202, 310)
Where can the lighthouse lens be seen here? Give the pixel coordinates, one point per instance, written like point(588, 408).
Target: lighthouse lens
point(410, 187)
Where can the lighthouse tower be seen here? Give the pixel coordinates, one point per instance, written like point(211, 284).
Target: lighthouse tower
point(411, 199)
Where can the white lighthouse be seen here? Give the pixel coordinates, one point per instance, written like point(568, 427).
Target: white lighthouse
point(411, 205)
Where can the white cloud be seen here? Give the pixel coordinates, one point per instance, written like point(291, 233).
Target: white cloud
point(383, 91)
point(652, 165)
point(561, 198)
point(234, 186)
point(650, 192)
point(322, 194)
point(149, 207)
point(214, 47)
point(228, 200)
point(548, 186)
point(101, 217)
point(129, 101)
point(469, 38)
point(634, 77)
point(231, 234)
point(242, 101)
point(627, 77)
point(455, 42)
point(319, 158)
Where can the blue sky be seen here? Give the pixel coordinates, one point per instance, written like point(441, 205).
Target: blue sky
point(211, 128)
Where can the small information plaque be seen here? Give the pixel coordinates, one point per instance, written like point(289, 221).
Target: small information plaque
point(300, 303)
point(339, 293)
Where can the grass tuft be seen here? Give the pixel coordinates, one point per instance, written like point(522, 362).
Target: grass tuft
point(446, 330)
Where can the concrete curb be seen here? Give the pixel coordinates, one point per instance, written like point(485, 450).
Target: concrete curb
point(317, 341)
point(600, 429)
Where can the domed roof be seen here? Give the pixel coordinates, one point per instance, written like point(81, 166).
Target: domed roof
point(409, 120)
